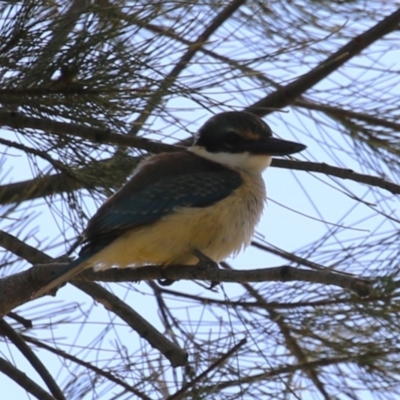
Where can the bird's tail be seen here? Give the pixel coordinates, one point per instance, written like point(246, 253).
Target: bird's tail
point(64, 274)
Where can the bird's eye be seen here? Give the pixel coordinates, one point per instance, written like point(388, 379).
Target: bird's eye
point(231, 138)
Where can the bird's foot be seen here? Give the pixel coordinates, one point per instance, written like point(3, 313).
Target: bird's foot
point(165, 282)
point(207, 263)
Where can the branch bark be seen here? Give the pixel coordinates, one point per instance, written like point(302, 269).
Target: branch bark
point(19, 288)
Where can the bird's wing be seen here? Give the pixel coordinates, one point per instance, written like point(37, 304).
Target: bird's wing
point(190, 182)
point(161, 185)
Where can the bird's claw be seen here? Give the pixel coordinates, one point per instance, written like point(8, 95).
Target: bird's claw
point(207, 263)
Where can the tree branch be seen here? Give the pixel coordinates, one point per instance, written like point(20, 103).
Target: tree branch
point(18, 341)
point(181, 392)
point(81, 178)
point(343, 173)
point(22, 380)
point(38, 153)
point(13, 293)
point(291, 343)
point(17, 120)
point(290, 369)
point(284, 96)
point(342, 112)
point(18, 288)
point(295, 348)
point(61, 182)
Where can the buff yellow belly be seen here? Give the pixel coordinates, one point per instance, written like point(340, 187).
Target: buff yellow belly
point(217, 231)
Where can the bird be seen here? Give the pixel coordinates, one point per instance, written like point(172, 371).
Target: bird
point(177, 206)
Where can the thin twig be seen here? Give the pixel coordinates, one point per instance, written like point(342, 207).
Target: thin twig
point(169, 80)
point(289, 369)
point(342, 112)
point(291, 343)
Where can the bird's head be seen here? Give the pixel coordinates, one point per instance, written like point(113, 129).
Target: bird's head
point(241, 140)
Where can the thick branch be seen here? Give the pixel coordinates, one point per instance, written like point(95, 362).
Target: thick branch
point(273, 274)
point(18, 289)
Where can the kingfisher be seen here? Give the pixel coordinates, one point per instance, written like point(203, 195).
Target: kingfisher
point(205, 200)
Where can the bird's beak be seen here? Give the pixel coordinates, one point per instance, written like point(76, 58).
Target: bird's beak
point(274, 147)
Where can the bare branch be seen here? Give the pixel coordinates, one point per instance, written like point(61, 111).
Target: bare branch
point(18, 120)
point(286, 95)
point(19, 288)
point(343, 173)
point(21, 379)
point(190, 272)
point(8, 297)
point(24, 284)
